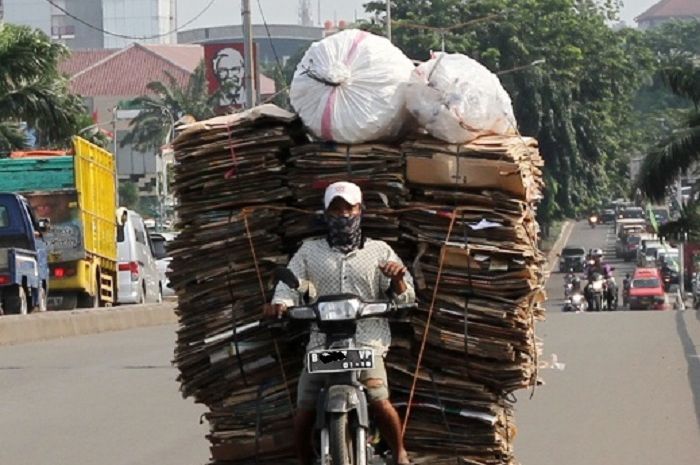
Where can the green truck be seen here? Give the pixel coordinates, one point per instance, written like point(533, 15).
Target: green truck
point(75, 190)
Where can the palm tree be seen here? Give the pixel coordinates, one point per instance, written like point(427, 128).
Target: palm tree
point(32, 91)
point(662, 167)
point(150, 128)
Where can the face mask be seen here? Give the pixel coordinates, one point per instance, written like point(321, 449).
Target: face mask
point(344, 232)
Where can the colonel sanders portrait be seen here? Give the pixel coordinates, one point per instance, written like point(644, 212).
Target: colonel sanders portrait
point(228, 68)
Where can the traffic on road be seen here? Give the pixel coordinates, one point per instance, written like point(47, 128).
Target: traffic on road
point(618, 264)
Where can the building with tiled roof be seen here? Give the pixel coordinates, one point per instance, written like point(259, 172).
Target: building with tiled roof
point(667, 10)
point(108, 78)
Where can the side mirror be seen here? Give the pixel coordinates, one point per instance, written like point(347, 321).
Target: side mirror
point(285, 275)
point(122, 216)
point(44, 224)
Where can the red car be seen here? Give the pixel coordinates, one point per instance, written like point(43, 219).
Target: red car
point(647, 291)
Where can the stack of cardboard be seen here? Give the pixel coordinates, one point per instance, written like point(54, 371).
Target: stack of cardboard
point(225, 165)
point(480, 343)
point(377, 168)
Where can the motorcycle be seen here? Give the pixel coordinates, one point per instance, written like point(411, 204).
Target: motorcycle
point(596, 291)
point(576, 303)
point(568, 290)
point(593, 221)
point(343, 422)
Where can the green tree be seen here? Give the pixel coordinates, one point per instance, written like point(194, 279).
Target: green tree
point(128, 194)
point(578, 103)
point(149, 130)
point(657, 108)
point(681, 148)
point(32, 91)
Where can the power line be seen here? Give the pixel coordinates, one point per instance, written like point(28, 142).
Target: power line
point(280, 70)
point(124, 36)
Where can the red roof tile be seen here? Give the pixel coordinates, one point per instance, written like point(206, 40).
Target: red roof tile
point(671, 9)
point(126, 73)
point(81, 59)
point(187, 56)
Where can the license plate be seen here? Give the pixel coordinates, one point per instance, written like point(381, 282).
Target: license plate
point(54, 301)
point(336, 360)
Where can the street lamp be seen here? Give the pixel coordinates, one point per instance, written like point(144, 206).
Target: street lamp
point(520, 68)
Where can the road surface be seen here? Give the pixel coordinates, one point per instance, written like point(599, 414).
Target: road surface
point(104, 399)
point(629, 393)
point(602, 237)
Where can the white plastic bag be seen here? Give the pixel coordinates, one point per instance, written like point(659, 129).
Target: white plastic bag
point(457, 99)
point(350, 87)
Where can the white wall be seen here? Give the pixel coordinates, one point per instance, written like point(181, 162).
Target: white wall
point(136, 18)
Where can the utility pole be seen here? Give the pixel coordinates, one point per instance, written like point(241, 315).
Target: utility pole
point(248, 54)
point(388, 20)
point(115, 110)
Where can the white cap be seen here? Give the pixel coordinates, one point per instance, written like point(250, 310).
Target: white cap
point(348, 191)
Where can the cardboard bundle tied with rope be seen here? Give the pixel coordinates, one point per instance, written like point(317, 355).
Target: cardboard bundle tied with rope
point(224, 166)
point(479, 279)
point(249, 190)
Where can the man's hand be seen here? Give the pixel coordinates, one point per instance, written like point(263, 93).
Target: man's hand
point(395, 272)
point(274, 310)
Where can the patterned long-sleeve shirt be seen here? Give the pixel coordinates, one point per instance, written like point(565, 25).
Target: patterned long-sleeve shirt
point(358, 273)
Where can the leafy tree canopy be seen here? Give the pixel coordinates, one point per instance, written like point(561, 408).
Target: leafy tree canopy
point(151, 128)
point(32, 91)
point(577, 103)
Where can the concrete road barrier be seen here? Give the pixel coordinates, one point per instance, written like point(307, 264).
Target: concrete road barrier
point(17, 329)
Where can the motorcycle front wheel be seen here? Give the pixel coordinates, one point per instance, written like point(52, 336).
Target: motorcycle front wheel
point(340, 440)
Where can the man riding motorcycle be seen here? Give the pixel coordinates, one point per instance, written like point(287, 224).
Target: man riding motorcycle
point(345, 262)
point(595, 263)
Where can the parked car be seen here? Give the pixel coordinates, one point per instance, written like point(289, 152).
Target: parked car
point(24, 270)
point(138, 279)
point(160, 249)
point(646, 253)
point(607, 217)
point(630, 246)
point(632, 213)
point(572, 257)
point(646, 290)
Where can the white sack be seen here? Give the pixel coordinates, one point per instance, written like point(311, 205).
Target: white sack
point(457, 99)
point(350, 87)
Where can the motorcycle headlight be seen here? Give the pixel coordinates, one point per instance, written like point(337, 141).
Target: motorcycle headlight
point(340, 310)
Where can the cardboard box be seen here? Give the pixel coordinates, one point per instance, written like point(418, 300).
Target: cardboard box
point(447, 170)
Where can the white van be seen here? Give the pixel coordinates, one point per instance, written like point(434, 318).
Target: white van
point(138, 279)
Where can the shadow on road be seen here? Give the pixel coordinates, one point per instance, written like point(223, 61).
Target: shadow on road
point(692, 359)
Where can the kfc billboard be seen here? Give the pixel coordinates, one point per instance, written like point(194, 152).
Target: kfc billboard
point(226, 70)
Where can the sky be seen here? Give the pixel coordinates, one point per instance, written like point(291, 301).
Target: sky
point(226, 12)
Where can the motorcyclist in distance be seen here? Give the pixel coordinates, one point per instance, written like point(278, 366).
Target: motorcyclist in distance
point(346, 262)
point(597, 265)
